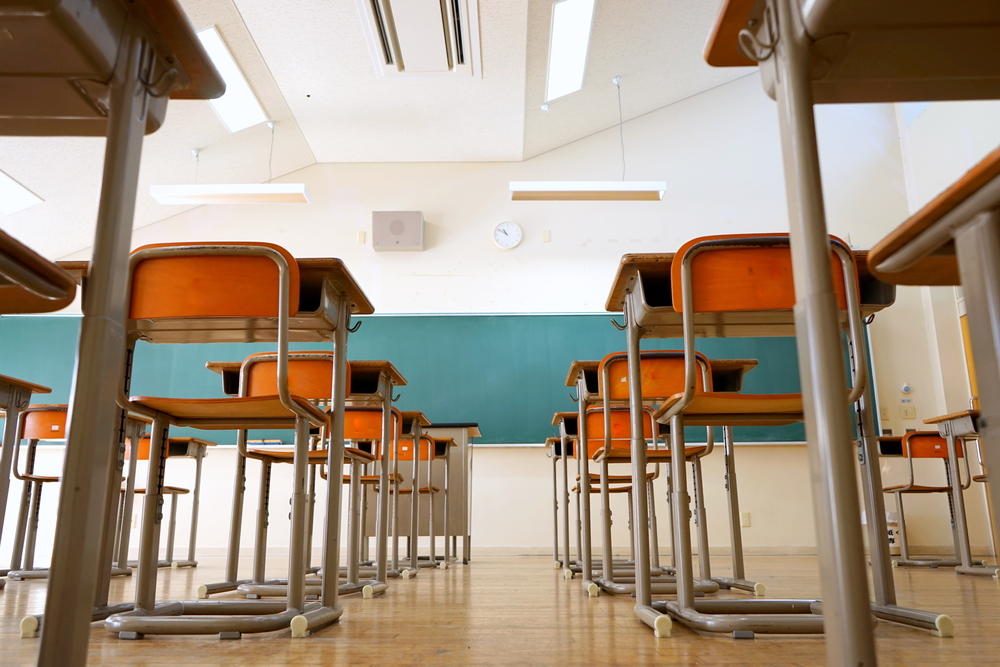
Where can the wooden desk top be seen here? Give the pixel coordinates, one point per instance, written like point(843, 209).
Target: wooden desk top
point(380, 366)
point(733, 365)
point(221, 367)
point(974, 414)
point(577, 366)
point(312, 272)
point(657, 266)
point(722, 49)
point(940, 267)
point(203, 81)
point(23, 384)
point(14, 298)
point(561, 416)
point(416, 415)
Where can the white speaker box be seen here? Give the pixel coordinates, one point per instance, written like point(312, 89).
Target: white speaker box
point(397, 230)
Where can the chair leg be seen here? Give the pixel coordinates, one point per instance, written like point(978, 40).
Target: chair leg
point(21, 530)
point(29, 546)
point(152, 516)
point(607, 559)
point(195, 511)
point(654, 531)
point(172, 528)
point(631, 529)
point(700, 520)
point(260, 543)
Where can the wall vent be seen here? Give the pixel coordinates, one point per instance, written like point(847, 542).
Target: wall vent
point(422, 38)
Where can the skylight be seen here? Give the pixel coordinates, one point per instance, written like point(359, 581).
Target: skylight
point(570, 36)
point(238, 108)
point(15, 197)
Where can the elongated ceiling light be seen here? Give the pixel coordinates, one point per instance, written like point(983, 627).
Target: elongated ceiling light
point(568, 43)
point(587, 190)
point(238, 107)
point(231, 193)
point(15, 197)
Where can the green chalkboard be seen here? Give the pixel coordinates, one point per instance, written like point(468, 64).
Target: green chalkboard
point(505, 372)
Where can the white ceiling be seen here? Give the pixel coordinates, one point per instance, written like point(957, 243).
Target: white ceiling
point(311, 67)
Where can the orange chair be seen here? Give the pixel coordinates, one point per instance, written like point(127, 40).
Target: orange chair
point(187, 447)
point(47, 423)
point(662, 375)
point(231, 292)
point(927, 445)
point(731, 279)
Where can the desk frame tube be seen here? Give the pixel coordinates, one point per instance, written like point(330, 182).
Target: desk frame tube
point(92, 423)
point(978, 247)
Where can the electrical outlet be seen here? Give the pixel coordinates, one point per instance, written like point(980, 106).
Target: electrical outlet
point(135, 521)
point(907, 412)
point(745, 519)
point(883, 413)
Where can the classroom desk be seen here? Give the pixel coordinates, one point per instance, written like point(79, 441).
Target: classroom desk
point(564, 449)
point(459, 484)
point(955, 239)
point(101, 67)
point(413, 423)
point(836, 51)
point(177, 447)
point(642, 288)
point(15, 395)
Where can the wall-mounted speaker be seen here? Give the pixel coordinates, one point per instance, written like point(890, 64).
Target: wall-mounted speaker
point(397, 230)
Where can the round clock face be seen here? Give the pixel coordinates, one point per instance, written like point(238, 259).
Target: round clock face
point(507, 235)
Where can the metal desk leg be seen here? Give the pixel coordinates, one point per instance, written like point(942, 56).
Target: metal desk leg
point(978, 248)
point(413, 540)
point(565, 505)
point(16, 400)
point(961, 528)
point(128, 502)
point(195, 507)
point(447, 509)
point(847, 621)
point(77, 548)
point(382, 511)
point(22, 515)
point(557, 562)
point(591, 588)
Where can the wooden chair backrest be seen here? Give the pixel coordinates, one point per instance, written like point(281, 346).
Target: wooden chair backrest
point(928, 445)
point(207, 285)
point(733, 279)
point(45, 424)
point(365, 423)
point(308, 378)
point(426, 449)
point(621, 428)
point(662, 374)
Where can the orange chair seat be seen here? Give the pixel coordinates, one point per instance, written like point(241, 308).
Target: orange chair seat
point(38, 478)
point(624, 455)
point(170, 490)
point(737, 409)
point(916, 488)
point(235, 409)
point(979, 478)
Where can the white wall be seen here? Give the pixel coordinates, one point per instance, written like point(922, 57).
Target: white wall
point(720, 155)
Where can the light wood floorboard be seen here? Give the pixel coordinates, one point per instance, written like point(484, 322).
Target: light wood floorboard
point(519, 611)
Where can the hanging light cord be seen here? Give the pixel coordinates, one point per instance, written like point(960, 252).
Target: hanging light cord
point(621, 135)
point(270, 155)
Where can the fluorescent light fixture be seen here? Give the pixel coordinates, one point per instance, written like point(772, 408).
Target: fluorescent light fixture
point(568, 42)
point(587, 190)
point(231, 193)
point(15, 197)
point(238, 107)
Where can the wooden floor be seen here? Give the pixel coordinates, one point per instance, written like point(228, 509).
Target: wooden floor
point(519, 611)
